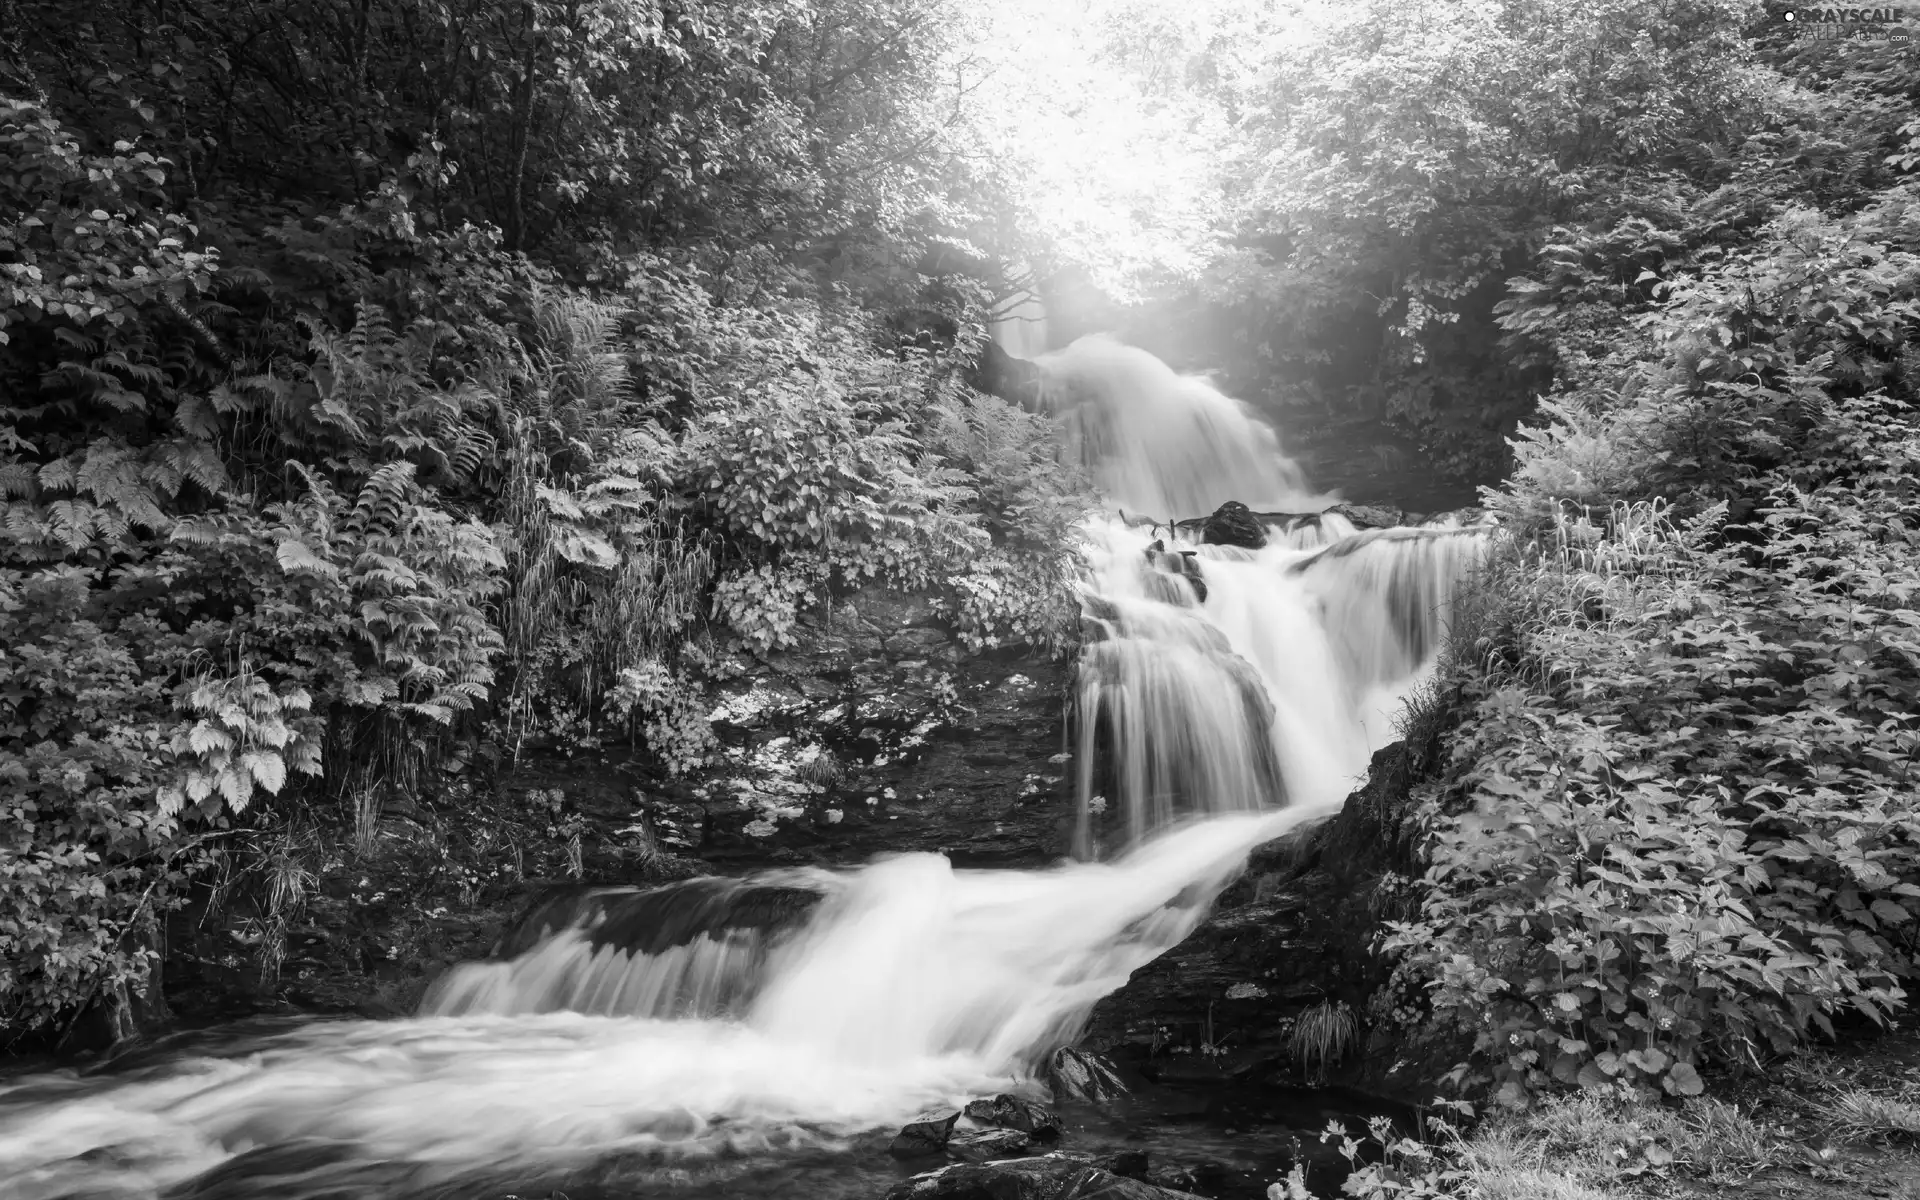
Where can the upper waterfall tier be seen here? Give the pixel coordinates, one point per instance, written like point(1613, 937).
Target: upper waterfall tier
point(1162, 443)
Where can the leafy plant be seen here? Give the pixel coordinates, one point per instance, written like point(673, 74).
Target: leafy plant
point(671, 717)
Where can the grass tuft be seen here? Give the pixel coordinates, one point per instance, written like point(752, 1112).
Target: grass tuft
point(1324, 1035)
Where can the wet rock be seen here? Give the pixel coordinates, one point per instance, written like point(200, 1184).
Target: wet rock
point(1080, 1075)
point(1290, 935)
point(1232, 524)
point(924, 1138)
point(652, 920)
point(1182, 565)
point(1132, 1164)
point(1049, 1177)
point(987, 1145)
point(1098, 608)
point(1458, 518)
point(1011, 1112)
point(1000, 374)
point(1370, 516)
point(1204, 1179)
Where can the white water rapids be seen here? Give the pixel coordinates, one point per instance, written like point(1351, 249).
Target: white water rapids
point(906, 984)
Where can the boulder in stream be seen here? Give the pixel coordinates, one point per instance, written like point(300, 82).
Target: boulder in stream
point(923, 1138)
point(1011, 1112)
point(1048, 1177)
point(1233, 524)
point(1131, 1163)
point(986, 1145)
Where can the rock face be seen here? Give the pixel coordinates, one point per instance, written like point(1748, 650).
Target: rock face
point(1049, 1177)
point(1293, 934)
point(1003, 1127)
point(879, 731)
point(1181, 564)
point(652, 920)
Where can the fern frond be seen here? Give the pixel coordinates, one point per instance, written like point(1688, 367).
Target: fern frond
point(19, 479)
point(385, 500)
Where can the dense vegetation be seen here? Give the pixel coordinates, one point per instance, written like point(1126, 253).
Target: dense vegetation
point(1678, 825)
point(387, 384)
point(1443, 211)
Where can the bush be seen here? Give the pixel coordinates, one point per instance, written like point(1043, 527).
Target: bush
point(1689, 766)
point(812, 460)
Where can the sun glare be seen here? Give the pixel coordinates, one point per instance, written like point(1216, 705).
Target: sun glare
point(1116, 113)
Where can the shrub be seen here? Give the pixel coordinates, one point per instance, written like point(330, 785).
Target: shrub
point(808, 464)
point(839, 468)
point(672, 718)
point(1011, 600)
point(1028, 498)
point(105, 768)
point(1690, 769)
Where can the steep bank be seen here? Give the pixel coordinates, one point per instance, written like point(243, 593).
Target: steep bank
point(1283, 984)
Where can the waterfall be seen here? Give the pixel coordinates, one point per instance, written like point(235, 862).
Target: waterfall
point(1277, 687)
point(1163, 444)
point(1225, 696)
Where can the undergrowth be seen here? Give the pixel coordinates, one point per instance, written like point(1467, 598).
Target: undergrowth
point(306, 524)
point(1678, 824)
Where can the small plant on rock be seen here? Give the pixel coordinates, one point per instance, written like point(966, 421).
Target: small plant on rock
point(1324, 1035)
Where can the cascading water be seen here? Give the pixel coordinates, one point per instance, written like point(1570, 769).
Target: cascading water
point(1278, 687)
point(702, 1028)
point(912, 985)
point(1162, 444)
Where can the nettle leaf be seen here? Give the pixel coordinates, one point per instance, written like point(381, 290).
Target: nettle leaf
point(1891, 913)
point(268, 770)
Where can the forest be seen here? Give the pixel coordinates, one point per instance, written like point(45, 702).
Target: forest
point(397, 392)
